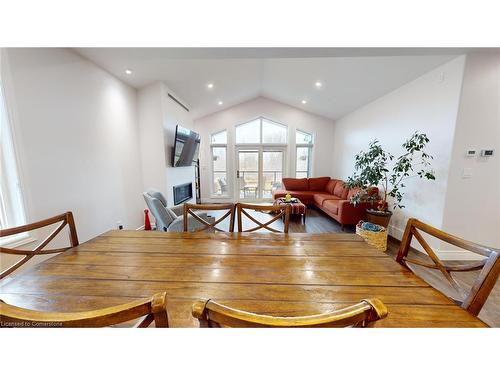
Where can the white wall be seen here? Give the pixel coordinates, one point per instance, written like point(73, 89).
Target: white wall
point(428, 104)
point(150, 114)
point(294, 118)
point(158, 117)
point(472, 208)
point(76, 136)
point(173, 115)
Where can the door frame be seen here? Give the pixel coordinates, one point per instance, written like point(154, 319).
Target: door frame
point(260, 148)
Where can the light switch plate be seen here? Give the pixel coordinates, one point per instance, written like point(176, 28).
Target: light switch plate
point(467, 173)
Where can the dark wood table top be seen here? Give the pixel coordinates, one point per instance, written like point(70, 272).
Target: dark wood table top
point(294, 274)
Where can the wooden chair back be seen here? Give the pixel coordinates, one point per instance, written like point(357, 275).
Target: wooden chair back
point(63, 219)
point(215, 315)
point(279, 211)
point(472, 300)
point(190, 209)
point(152, 309)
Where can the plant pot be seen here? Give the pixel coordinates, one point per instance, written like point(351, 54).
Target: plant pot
point(379, 217)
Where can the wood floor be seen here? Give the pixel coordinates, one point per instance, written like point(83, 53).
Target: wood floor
point(318, 222)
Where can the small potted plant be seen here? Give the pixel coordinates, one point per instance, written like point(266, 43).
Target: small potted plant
point(372, 170)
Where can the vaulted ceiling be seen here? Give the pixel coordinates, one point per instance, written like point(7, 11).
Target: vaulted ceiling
point(349, 77)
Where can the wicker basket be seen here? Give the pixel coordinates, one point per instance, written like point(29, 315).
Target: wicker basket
point(377, 239)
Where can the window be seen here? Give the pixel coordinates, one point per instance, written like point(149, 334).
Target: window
point(261, 130)
point(273, 132)
point(219, 138)
point(219, 163)
point(304, 143)
point(11, 203)
point(249, 132)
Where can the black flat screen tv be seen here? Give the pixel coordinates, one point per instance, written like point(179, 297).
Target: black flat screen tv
point(186, 147)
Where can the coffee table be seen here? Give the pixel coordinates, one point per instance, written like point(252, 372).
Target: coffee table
point(296, 207)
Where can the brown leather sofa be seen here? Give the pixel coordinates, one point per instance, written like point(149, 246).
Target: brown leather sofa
point(329, 195)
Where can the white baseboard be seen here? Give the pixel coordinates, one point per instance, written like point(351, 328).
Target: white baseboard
point(457, 255)
point(395, 232)
point(441, 253)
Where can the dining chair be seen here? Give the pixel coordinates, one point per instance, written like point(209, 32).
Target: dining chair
point(63, 219)
point(472, 300)
point(190, 211)
point(215, 315)
point(278, 212)
point(152, 309)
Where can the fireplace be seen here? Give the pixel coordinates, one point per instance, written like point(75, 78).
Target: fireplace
point(183, 193)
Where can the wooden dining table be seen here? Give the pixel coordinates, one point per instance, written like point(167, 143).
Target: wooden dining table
point(265, 273)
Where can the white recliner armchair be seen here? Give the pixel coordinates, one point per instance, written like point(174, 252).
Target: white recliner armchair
point(170, 219)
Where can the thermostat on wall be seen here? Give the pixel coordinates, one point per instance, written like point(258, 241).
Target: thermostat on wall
point(486, 152)
point(470, 153)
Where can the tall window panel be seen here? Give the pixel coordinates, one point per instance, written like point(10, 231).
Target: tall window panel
point(11, 203)
point(219, 163)
point(304, 146)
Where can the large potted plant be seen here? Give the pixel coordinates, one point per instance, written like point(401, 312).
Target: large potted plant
point(372, 169)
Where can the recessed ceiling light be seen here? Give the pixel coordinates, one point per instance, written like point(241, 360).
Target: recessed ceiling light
point(304, 101)
point(318, 84)
point(210, 85)
point(128, 72)
point(220, 102)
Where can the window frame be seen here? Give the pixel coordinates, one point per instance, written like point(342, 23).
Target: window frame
point(213, 194)
point(12, 201)
point(309, 146)
point(261, 135)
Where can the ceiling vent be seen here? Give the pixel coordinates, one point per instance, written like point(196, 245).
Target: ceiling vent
point(178, 102)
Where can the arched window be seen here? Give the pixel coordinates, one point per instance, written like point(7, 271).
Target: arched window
point(304, 145)
point(218, 150)
point(261, 131)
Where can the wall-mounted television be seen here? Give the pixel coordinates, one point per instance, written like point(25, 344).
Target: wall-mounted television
point(186, 147)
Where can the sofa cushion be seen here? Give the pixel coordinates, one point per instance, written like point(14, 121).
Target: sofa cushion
point(332, 205)
point(340, 190)
point(297, 184)
point(318, 183)
point(319, 199)
point(330, 186)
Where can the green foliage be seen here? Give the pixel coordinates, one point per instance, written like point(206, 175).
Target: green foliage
point(372, 169)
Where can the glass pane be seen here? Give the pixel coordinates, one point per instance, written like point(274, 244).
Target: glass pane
point(303, 159)
point(219, 159)
point(220, 183)
point(303, 137)
point(272, 173)
point(248, 182)
point(219, 138)
point(301, 175)
point(248, 161)
point(272, 132)
point(249, 132)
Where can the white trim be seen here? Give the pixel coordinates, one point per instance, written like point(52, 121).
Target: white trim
point(18, 214)
point(17, 240)
point(457, 255)
point(443, 254)
point(395, 232)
